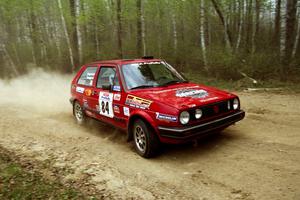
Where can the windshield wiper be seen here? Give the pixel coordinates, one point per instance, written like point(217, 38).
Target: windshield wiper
point(142, 86)
point(174, 81)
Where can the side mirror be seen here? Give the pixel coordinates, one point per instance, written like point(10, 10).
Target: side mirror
point(107, 87)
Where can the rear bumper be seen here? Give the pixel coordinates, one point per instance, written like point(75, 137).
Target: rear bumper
point(192, 132)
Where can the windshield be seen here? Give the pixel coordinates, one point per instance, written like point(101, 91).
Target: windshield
point(151, 74)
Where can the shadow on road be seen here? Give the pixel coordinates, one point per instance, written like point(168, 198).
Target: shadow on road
point(207, 144)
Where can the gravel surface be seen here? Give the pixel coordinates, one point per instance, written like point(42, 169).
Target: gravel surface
point(258, 158)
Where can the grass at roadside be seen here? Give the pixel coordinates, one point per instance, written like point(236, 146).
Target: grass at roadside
point(16, 182)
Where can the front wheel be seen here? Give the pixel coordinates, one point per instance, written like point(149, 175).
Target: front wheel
point(146, 141)
point(78, 113)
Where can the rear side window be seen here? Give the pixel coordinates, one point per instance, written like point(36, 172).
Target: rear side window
point(87, 76)
point(107, 76)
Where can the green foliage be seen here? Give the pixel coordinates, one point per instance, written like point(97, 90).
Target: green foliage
point(32, 33)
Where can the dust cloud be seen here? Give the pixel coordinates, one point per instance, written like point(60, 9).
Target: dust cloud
point(38, 91)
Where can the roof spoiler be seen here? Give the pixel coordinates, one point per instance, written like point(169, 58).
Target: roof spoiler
point(147, 57)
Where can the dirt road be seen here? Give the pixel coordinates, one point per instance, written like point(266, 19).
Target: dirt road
point(258, 158)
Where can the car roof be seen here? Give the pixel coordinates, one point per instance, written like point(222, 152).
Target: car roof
point(123, 61)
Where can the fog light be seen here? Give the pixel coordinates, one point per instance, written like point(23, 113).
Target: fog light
point(198, 113)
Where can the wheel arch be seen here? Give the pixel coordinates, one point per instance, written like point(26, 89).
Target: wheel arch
point(142, 116)
point(73, 100)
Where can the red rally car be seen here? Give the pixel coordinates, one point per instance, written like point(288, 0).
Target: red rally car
point(151, 101)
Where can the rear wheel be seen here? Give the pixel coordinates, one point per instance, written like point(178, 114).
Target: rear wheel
point(146, 141)
point(78, 113)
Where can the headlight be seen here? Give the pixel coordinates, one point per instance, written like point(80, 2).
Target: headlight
point(236, 104)
point(184, 117)
point(198, 113)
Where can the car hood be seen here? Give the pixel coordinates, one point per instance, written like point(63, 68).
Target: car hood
point(183, 96)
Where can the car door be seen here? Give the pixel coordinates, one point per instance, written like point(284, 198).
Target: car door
point(85, 84)
point(108, 98)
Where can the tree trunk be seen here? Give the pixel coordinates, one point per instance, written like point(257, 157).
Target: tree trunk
point(242, 10)
point(97, 42)
point(34, 34)
point(249, 23)
point(83, 31)
point(74, 36)
point(256, 23)
point(175, 40)
point(282, 31)
point(119, 29)
point(202, 34)
point(56, 39)
point(143, 30)
point(297, 39)
point(78, 30)
point(290, 28)
point(160, 30)
point(66, 35)
point(139, 44)
point(18, 60)
point(8, 58)
point(228, 38)
point(276, 37)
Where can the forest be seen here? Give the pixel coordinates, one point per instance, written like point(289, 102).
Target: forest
point(225, 39)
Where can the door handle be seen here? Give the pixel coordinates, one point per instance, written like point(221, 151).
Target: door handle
point(94, 92)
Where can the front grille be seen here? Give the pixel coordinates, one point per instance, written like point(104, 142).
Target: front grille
point(211, 110)
point(202, 129)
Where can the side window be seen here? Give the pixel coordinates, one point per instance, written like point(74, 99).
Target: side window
point(107, 76)
point(87, 76)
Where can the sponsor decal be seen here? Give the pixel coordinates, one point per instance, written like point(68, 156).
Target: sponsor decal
point(164, 117)
point(191, 93)
point(137, 102)
point(90, 76)
point(117, 97)
point(116, 109)
point(88, 92)
point(80, 89)
point(175, 89)
point(117, 88)
point(105, 104)
point(126, 111)
point(149, 63)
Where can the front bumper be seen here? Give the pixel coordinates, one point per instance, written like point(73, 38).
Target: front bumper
point(191, 132)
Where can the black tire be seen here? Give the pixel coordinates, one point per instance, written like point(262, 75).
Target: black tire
point(146, 142)
point(78, 113)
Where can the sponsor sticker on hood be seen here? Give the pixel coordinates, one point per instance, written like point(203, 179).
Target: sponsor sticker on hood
point(194, 93)
point(137, 102)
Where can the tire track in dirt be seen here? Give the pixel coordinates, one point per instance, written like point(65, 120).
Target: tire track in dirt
point(256, 159)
